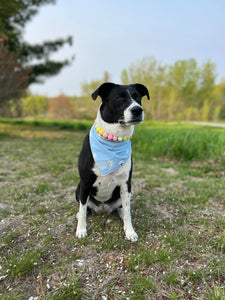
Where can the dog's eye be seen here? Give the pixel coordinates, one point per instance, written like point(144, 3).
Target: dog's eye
point(119, 98)
point(136, 97)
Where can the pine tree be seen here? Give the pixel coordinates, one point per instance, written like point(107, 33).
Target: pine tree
point(13, 78)
point(14, 14)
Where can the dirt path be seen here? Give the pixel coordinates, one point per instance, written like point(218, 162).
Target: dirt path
point(208, 124)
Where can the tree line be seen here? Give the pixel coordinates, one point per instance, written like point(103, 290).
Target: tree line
point(183, 91)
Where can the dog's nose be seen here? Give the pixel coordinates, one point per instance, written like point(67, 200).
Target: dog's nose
point(137, 110)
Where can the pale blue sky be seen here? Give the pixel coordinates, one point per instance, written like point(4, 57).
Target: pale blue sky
point(110, 35)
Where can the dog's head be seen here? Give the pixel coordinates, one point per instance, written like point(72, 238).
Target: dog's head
point(121, 103)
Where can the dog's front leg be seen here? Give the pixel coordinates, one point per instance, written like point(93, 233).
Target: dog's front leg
point(82, 225)
point(82, 215)
point(128, 227)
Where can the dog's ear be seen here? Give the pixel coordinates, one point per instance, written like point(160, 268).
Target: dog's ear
point(103, 90)
point(142, 90)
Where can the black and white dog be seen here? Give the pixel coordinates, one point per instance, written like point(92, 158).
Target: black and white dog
point(105, 163)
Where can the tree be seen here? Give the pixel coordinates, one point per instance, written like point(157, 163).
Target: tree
point(207, 83)
point(219, 110)
point(35, 106)
point(181, 91)
point(183, 76)
point(14, 14)
point(13, 77)
point(60, 108)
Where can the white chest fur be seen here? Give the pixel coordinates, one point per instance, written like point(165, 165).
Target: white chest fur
point(106, 184)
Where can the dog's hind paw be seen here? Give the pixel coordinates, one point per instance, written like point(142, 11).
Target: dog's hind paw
point(131, 235)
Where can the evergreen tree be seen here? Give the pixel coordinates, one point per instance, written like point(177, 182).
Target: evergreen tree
point(14, 14)
point(13, 79)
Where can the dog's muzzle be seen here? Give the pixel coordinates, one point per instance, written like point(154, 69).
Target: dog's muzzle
point(137, 111)
point(133, 115)
point(137, 114)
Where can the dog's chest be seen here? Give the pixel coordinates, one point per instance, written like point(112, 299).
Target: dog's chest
point(106, 184)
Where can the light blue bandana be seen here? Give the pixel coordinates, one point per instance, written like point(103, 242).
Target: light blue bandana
point(108, 155)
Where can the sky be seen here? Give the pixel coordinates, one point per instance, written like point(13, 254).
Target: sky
point(111, 35)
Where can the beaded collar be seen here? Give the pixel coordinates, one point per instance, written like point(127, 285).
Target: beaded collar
point(108, 136)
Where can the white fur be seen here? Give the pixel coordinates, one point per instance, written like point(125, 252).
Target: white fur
point(128, 227)
point(128, 116)
point(106, 185)
point(127, 113)
point(82, 224)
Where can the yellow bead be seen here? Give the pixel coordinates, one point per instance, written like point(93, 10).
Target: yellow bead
point(98, 129)
point(125, 138)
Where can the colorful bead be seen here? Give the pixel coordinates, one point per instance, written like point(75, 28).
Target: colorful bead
point(110, 137)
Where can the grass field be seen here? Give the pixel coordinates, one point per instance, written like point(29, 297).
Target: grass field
point(178, 209)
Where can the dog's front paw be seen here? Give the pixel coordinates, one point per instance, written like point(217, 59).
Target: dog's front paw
point(131, 235)
point(81, 233)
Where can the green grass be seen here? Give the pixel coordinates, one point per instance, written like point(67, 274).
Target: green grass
point(141, 285)
point(174, 140)
point(143, 258)
point(177, 211)
point(63, 125)
point(21, 266)
point(71, 290)
point(216, 293)
point(180, 143)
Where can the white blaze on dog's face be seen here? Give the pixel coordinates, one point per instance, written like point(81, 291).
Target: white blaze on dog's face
point(134, 113)
point(121, 104)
